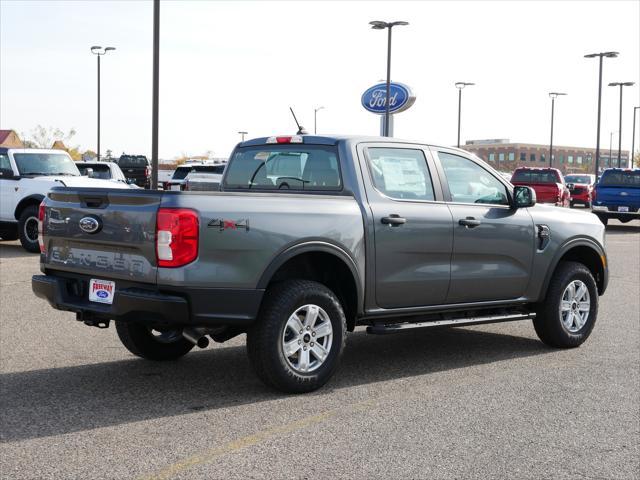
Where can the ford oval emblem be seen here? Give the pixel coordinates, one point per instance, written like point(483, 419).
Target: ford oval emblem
point(89, 224)
point(400, 98)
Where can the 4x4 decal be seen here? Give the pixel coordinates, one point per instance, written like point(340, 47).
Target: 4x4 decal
point(223, 224)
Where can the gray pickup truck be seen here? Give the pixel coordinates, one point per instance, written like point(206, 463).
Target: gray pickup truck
point(311, 236)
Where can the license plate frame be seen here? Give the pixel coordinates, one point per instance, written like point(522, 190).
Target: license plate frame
point(101, 291)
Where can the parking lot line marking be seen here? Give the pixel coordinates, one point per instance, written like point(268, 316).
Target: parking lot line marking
point(250, 440)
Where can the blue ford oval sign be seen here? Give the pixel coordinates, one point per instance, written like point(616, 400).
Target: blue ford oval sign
point(400, 98)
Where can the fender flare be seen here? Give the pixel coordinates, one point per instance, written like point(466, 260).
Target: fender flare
point(308, 247)
point(572, 243)
point(34, 198)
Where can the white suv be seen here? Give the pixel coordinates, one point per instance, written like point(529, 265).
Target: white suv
point(26, 175)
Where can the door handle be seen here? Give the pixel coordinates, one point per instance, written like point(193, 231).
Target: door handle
point(469, 222)
point(394, 220)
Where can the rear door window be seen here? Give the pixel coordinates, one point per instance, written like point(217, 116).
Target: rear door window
point(400, 173)
point(284, 168)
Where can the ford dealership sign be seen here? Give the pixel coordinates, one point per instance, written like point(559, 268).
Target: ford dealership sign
point(400, 98)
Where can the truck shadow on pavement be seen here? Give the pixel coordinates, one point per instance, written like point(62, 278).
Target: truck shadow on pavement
point(14, 250)
point(56, 401)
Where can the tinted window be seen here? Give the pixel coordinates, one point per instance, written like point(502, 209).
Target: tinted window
point(284, 167)
point(130, 161)
point(400, 173)
point(535, 176)
point(621, 179)
point(470, 183)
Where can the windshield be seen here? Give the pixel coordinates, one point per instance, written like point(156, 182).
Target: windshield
point(621, 179)
point(127, 161)
point(45, 164)
point(99, 171)
point(284, 167)
point(535, 176)
point(578, 179)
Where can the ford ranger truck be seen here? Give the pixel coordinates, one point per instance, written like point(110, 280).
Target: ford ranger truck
point(547, 182)
point(618, 195)
point(312, 236)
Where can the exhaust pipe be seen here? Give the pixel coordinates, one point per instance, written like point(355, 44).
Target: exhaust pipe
point(196, 336)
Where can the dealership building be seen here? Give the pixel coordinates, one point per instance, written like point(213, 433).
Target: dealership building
point(506, 156)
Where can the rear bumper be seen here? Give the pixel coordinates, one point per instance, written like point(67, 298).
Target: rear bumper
point(604, 211)
point(195, 307)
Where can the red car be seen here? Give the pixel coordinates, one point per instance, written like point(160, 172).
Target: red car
point(581, 188)
point(548, 184)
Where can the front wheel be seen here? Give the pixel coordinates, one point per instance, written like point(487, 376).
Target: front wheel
point(28, 229)
point(568, 314)
point(298, 339)
point(147, 342)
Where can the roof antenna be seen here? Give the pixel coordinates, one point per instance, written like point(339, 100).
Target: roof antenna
point(301, 129)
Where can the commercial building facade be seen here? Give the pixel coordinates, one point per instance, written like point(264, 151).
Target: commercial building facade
point(506, 156)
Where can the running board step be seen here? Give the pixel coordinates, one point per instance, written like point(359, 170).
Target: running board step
point(399, 327)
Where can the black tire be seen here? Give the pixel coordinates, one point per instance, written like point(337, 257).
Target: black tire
point(139, 340)
point(548, 323)
point(264, 339)
point(26, 231)
point(572, 204)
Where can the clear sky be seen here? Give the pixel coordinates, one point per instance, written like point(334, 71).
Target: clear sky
point(229, 66)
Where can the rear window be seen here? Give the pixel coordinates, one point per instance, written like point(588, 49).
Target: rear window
point(621, 179)
point(578, 179)
point(535, 176)
point(182, 172)
point(130, 161)
point(99, 171)
point(285, 167)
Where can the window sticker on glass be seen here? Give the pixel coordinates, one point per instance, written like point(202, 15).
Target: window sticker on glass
point(401, 173)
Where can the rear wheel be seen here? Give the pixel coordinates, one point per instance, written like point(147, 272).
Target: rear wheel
point(146, 342)
point(28, 229)
point(567, 316)
point(296, 344)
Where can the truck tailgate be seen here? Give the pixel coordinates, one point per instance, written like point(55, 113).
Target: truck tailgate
point(122, 246)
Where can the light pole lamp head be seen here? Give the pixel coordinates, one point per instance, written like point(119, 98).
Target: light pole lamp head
point(602, 54)
point(380, 25)
point(109, 48)
point(556, 94)
point(621, 84)
point(461, 85)
point(318, 109)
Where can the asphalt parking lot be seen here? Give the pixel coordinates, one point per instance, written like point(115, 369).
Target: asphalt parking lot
point(484, 402)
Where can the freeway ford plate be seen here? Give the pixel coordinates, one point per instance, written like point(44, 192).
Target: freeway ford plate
point(101, 291)
point(623, 209)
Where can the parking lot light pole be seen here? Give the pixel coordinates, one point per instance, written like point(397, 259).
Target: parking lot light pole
point(155, 96)
point(553, 96)
point(315, 119)
point(460, 86)
point(380, 25)
point(98, 51)
point(601, 56)
point(242, 134)
point(620, 84)
point(633, 137)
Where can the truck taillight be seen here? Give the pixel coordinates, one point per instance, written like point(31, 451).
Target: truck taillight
point(41, 212)
point(177, 233)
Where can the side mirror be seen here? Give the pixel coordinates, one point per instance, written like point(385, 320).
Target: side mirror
point(88, 172)
point(523, 197)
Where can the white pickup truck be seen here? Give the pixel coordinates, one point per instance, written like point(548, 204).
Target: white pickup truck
point(26, 175)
